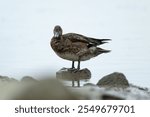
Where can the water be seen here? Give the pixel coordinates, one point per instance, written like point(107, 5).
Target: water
point(26, 29)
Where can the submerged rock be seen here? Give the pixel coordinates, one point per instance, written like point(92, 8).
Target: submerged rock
point(115, 79)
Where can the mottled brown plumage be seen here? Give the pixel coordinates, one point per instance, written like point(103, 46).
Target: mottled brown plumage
point(76, 47)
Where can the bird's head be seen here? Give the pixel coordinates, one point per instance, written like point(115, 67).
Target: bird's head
point(57, 31)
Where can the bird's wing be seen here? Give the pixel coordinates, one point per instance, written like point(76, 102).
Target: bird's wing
point(73, 37)
point(97, 41)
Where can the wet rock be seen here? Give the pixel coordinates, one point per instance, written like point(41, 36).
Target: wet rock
point(115, 79)
point(73, 75)
point(69, 74)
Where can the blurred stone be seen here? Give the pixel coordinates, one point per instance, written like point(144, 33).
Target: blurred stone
point(7, 79)
point(89, 84)
point(13, 80)
point(53, 89)
point(6, 86)
point(73, 75)
point(50, 89)
point(115, 79)
point(4, 78)
point(28, 79)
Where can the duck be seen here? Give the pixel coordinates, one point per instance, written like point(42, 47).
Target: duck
point(76, 47)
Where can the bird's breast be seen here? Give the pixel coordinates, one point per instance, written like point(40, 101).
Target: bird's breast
point(72, 51)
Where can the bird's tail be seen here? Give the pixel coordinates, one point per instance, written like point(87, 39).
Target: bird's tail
point(101, 51)
point(98, 41)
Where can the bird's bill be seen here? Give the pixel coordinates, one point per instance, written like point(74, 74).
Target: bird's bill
point(56, 34)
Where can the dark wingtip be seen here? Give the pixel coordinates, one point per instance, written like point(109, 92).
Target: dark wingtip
point(101, 51)
point(106, 39)
point(106, 51)
point(103, 41)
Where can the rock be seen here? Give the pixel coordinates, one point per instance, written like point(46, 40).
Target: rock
point(4, 78)
point(89, 84)
point(69, 74)
point(115, 79)
point(14, 80)
point(50, 89)
point(28, 79)
point(73, 75)
point(7, 79)
point(6, 86)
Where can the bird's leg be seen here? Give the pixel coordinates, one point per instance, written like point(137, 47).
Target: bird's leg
point(72, 69)
point(73, 65)
point(78, 65)
point(78, 68)
point(78, 83)
point(72, 82)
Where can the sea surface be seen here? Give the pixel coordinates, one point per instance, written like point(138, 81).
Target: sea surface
point(26, 28)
